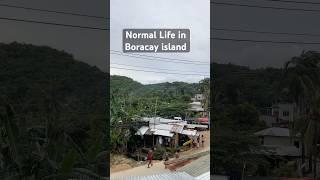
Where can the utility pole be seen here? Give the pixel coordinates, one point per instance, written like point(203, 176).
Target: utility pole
point(243, 170)
point(154, 120)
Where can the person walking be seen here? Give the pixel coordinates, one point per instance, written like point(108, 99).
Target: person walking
point(149, 158)
point(202, 138)
point(198, 141)
point(177, 153)
point(166, 156)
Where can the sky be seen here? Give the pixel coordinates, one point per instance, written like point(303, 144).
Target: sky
point(258, 55)
point(86, 45)
point(165, 14)
point(90, 45)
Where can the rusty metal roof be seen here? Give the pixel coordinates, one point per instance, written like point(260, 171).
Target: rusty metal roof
point(166, 176)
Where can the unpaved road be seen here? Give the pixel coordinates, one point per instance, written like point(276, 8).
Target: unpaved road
point(158, 166)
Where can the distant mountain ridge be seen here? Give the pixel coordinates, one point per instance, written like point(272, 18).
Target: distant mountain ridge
point(30, 75)
point(128, 86)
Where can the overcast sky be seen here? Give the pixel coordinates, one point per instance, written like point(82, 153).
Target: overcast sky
point(257, 55)
point(90, 45)
point(86, 45)
point(189, 14)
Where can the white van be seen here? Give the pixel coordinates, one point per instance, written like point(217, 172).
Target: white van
point(177, 118)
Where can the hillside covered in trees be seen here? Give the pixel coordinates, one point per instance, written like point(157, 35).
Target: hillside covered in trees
point(52, 115)
point(239, 92)
point(131, 100)
point(53, 120)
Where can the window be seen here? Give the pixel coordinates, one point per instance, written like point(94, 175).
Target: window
point(285, 113)
point(296, 144)
point(262, 140)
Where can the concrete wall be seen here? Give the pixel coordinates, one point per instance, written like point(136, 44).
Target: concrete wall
point(287, 112)
point(269, 120)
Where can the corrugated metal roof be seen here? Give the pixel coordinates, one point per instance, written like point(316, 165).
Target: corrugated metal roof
point(192, 126)
point(197, 167)
point(166, 176)
point(159, 120)
point(281, 150)
point(141, 131)
point(204, 176)
point(166, 127)
point(274, 131)
point(162, 132)
point(177, 128)
point(183, 123)
point(195, 103)
point(189, 132)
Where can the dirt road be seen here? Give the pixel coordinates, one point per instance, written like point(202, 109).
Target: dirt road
point(158, 166)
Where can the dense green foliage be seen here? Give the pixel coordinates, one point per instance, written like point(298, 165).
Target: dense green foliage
point(53, 123)
point(238, 92)
point(237, 84)
point(171, 99)
point(303, 76)
point(52, 114)
point(131, 100)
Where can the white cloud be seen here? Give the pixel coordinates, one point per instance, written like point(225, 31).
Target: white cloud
point(191, 14)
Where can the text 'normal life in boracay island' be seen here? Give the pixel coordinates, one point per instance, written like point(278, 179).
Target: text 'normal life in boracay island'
point(156, 40)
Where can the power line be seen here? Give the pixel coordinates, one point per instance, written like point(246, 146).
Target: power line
point(157, 71)
point(152, 68)
point(294, 2)
point(265, 41)
point(54, 24)
point(52, 11)
point(158, 59)
point(265, 32)
point(265, 7)
point(183, 60)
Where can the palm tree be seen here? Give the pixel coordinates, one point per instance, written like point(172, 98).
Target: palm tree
point(303, 75)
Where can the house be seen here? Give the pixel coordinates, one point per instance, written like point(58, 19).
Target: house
point(279, 114)
point(267, 117)
point(196, 107)
point(278, 142)
point(166, 132)
point(198, 97)
point(285, 112)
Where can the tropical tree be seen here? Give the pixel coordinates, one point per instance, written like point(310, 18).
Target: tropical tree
point(303, 84)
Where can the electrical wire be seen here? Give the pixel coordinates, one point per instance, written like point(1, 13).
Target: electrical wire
point(153, 68)
point(265, 7)
point(158, 59)
point(265, 41)
point(140, 70)
point(52, 11)
point(52, 23)
point(183, 60)
point(265, 32)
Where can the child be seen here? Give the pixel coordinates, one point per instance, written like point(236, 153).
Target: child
point(177, 153)
point(149, 158)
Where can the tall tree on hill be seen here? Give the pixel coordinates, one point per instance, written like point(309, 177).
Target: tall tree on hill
point(205, 90)
point(303, 75)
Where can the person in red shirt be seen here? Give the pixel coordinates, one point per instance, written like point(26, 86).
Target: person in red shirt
point(149, 158)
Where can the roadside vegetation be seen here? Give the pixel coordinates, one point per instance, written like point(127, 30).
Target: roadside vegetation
point(238, 94)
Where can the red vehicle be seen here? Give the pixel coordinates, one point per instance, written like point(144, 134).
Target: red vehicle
point(203, 120)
